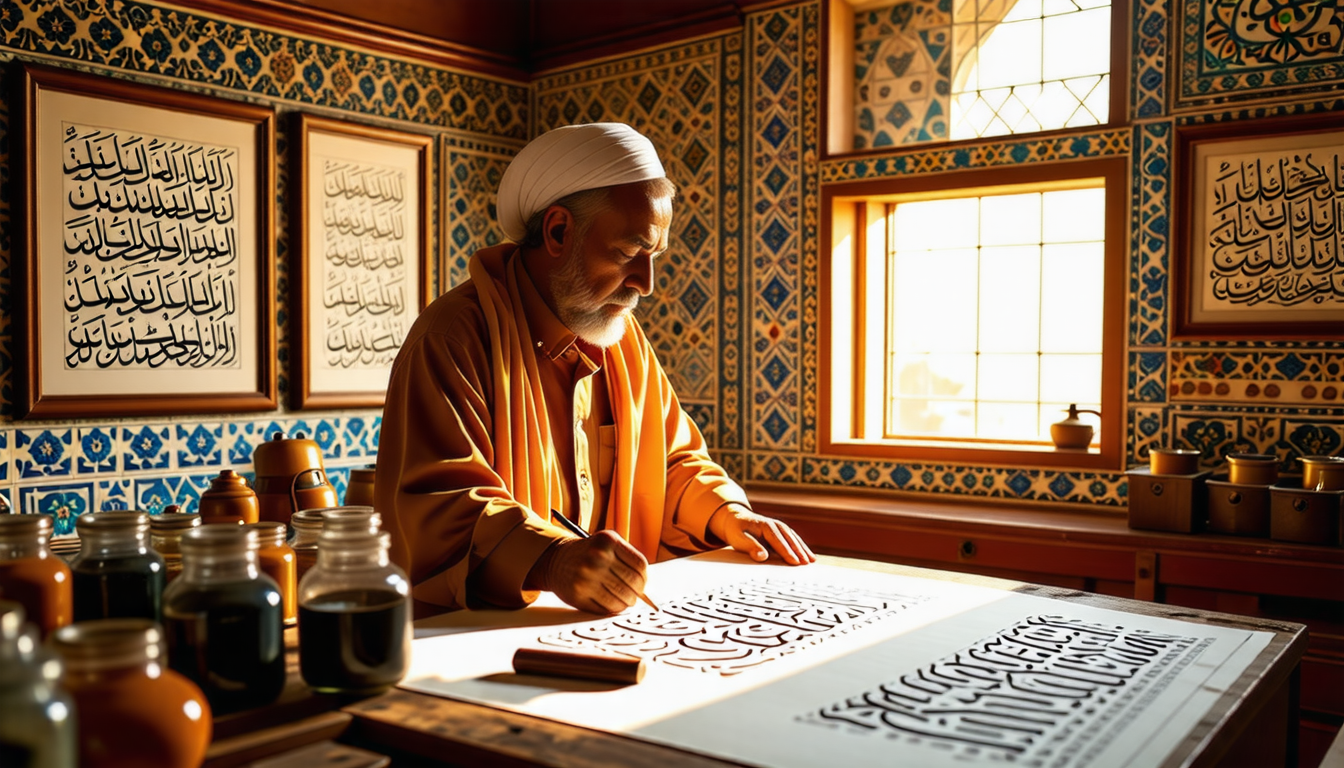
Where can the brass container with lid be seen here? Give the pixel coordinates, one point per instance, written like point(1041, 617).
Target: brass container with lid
point(229, 500)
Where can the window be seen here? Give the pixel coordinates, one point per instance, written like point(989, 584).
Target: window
point(918, 71)
point(966, 314)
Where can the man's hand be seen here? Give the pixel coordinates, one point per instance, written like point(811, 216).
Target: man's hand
point(601, 574)
point(748, 532)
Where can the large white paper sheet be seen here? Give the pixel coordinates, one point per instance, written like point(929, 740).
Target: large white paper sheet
point(781, 666)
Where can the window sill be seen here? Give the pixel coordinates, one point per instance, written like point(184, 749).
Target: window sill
point(1103, 457)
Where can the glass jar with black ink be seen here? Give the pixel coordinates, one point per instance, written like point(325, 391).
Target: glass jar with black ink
point(224, 619)
point(354, 615)
point(116, 574)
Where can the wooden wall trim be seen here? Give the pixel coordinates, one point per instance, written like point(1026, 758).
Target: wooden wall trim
point(364, 35)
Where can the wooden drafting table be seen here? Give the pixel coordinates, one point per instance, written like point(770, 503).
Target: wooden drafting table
point(1251, 721)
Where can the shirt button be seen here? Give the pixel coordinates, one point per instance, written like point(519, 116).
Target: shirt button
point(583, 480)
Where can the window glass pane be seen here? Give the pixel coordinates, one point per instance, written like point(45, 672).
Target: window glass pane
point(1022, 9)
point(1071, 297)
point(947, 377)
point(1008, 378)
point(1076, 44)
point(936, 224)
point(1070, 378)
point(932, 418)
point(933, 297)
point(1074, 215)
point(1010, 219)
point(1010, 299)
point(1011, 54)
point(1007, 421)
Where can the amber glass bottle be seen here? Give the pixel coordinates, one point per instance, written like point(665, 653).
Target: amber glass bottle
point(224, 619)
point(31, 575)
point(132, 711)
point(165, 537)
point(277, 560)
point(116, 574)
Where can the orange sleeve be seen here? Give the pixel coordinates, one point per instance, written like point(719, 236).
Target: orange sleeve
point(456, 530)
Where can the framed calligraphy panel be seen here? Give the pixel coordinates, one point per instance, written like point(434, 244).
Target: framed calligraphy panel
point(360, 257)
point(1260, 235)
point(146, 271)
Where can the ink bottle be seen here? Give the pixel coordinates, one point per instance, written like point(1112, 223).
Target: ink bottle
point(307, 525)
point(224, 619)
point(116, 574)
point(354, 615)
point(277, 559)
point(38, 727)
point(132, 711)
point(165, 537)
point(31, 575)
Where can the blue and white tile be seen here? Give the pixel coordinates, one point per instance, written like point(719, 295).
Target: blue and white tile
point(6, 437)
point(199, 445)
point(115, 495)
point(64, 504)
point(326, 433)
point(146, 447)
point(242, 439)
point(43, 452)
point(97, 450)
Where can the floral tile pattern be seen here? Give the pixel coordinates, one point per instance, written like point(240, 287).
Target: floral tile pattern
point(998, 152)
point(43, 452)
point(115, 495)
point(201, 445)
point(471, 173)
point(63, 503)
point(5, 436)
point(149, 447)
point(1148, 83)
point(96, 450)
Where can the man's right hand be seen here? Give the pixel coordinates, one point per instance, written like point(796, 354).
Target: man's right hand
point(601, 574)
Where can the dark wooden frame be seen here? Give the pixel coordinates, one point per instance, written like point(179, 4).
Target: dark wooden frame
point(259, 122)
point(1112, 447)
point(301, 268)
point(1185, 250)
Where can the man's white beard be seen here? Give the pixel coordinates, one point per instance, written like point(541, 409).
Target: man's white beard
point(583, 312)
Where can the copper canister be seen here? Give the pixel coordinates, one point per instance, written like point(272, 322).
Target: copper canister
point(1173, 461)
point(1322, 473)
point(1252, 468)
point(359, 493)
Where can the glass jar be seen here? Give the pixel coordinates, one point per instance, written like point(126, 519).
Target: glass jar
point(132, 710)
point(354, 616)
point(38, 726)
point(165, 537)
point(116, 574)
point(31, 575)
point(307, 528)
point(224, 619)
point(276, 559)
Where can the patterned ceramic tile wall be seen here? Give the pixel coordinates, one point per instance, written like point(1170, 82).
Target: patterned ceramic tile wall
point(66, 470)
point(902, 74)
point(737, 119)
point(1231, 50)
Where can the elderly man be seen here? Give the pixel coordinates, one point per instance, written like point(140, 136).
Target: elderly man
point(530, 391)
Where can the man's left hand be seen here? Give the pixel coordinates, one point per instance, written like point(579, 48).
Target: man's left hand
point(746, 531)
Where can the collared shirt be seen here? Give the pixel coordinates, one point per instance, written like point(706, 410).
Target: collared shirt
point(577, 407)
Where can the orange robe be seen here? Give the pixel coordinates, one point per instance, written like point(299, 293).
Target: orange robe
point(466, 465)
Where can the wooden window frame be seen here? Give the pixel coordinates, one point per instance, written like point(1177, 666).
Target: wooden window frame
point(844, 216)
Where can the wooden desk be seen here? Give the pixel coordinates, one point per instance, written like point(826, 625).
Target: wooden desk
point(1254, 724)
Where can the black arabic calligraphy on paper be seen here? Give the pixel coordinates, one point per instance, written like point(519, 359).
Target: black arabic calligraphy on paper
point(1047, 691)
point(364, 291)
point(151, 262)
point(735, 629)
point(1274, 229)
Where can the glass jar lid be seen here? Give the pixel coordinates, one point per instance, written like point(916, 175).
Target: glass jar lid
point(218, 539)
point(174, 523)
point(108, 643)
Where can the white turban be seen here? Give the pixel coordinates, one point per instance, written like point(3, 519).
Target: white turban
point(568, 160)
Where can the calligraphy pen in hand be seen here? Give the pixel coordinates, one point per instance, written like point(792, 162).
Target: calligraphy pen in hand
point(574, 528)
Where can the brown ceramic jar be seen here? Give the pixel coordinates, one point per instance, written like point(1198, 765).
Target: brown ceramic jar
point(229, 500)
point(133, 710)
point(31, 575)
